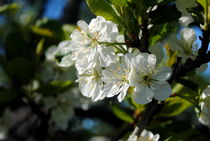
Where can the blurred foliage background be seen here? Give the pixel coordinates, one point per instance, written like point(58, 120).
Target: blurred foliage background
point(40, 101)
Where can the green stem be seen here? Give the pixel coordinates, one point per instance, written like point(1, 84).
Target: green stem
point(206, 12)
point(111, 44)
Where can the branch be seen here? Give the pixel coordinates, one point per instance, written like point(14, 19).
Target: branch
point(180, 70)
point(135, 42)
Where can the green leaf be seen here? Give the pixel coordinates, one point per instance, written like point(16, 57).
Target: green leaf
point(202, 3)
point(172, 129)
point(8, 7)
point(174, 106)
point(119, 3)
point(205, 5)
point(39, 48)
point(7, 95)
point(158, 32)
point(188, 83)
point(20, 69)
point(164, 14)
point(122, 114)
point(68, 29)
point(103, 8)
point(55, 87)
point(42, 31)
point(49, 28)
point(183, 136)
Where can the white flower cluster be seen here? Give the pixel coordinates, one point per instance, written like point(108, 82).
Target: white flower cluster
point(104, 73)
point(186, 46)
point(204, 117)
point(145, 136)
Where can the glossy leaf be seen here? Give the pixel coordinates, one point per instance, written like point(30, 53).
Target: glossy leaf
point(119, 3)
point(174, 106)
point(55, 87)
point(122, 114)
point(103, 8)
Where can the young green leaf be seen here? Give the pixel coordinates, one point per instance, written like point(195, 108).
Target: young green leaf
point(174, 106)
point(122, 114)
point(119, 3)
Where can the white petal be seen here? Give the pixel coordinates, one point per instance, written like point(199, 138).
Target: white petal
point(134, 78)
point(144, 60)
point(158, 51)
point(83, 25)
point(202, 68)
point(106, 56)
point(174, 43)
point(66, 61)
point(96, 24)
point(161, 90)
point(206, 92)
point(185, 20)
point(111, 89)
point(123, 92)
point(163, 73)
point(188, 35)
point(143, 94)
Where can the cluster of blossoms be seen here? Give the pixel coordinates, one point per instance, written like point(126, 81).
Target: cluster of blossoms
point(186, 46)
point(145, 136)
point(104, 73)
point(204, 116)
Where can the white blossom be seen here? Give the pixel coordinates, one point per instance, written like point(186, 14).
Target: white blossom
point(62, 108)
point(185, 46)
point(182, 6)
point(157, 50)
point(50, 70)
point(116, 77)
point(90, 83)
point(145, 136)
point(88, 43)
point(204, 117)
point(148, 80)
point(186, 19)
point(64, 51)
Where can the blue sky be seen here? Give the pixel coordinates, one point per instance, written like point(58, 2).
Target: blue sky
point(54, 8)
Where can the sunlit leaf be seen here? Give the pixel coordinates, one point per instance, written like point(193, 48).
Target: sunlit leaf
point(122, 114)
point(103, 8)
point(55, 87)
point(119, 2)
point(42, 31)
point(8, 7)
point(174, 106)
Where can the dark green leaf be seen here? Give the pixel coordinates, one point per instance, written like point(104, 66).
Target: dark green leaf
point(190, 84)
point(174, 106)
point(55, 87)
point(164, 14)
point(122, 114)
point(103, 8)
point(7, 95)
point(158, 32)
point(20, 69)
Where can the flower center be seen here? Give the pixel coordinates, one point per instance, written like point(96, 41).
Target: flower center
point(147, 79)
